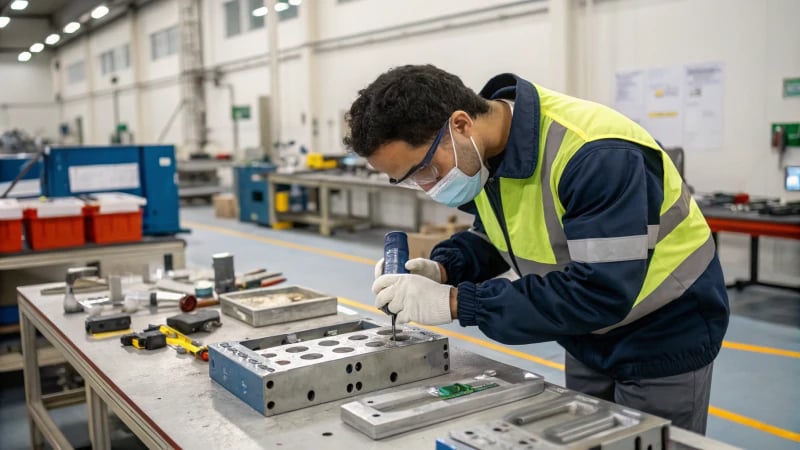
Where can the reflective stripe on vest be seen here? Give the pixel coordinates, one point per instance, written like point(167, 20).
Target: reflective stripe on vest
point(681, 244)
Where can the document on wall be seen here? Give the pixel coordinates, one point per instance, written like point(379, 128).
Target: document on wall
point(630, 95)
point(703, 108)
point(663, 105)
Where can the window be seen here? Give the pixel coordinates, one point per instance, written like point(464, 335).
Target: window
point(76, 72)
point(256, 21)
point(115, 59)
point(233, 18)
point(288, 13)
point(164, 42)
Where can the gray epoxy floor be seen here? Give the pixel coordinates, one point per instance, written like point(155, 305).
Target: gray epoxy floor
point(755, 395)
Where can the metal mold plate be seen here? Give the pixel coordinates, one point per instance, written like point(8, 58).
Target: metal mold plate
point(298, 373)
point(383, 415)
point(268, 306)
point(569, 422)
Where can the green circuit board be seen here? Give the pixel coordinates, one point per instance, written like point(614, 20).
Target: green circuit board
point(460, 390)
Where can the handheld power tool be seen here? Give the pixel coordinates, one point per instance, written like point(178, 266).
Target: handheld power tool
point(395, 256)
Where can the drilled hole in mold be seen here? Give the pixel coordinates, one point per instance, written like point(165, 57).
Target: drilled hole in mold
point(376, 415)
point(445, 347)
point(469, 432)
point(358, 367)
point(374, 344)
point(446, 367)
point(388, 331)
point(349, 368)
point(498, 430)
point(328, 343)
point(270, 405)
point(370, 402)
point(357, 337)
point(358, 386)
point(327, 433)
point(350, 387)
point(522, 442)
point(311, 396)
point(343, 350)
point(270, 383)
point(399, 337)
point(283, 362)
point(393, 377)
point(269, 355)
point(446, 355)
point(298, 349)
point(311, 356)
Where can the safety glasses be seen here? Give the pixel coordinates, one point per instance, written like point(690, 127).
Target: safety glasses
point(423, 173)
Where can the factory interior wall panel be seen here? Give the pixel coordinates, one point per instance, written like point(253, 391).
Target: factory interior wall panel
point(160, 102)
point(750, 39)
point(156, 17)
point(32, 110)
point(779, 259)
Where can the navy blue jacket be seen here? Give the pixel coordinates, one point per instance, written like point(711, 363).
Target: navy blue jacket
point(615, 187)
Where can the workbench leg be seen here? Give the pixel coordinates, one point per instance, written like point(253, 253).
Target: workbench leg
point(325, 211)
point(753, 259)
point(273, 216)
point(417, 212)
point(98, 420)
point(30, 367)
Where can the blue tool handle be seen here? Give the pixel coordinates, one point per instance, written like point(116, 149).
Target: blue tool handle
point(395, 256)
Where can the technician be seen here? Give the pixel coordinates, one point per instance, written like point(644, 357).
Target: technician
point(615, 260)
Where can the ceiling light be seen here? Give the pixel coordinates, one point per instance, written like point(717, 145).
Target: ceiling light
point(280, 6)
point(19, 5)
point(37, 47)
point(52, 39)
point(99, 12)
point(24, 57)
point(295, 2)
point(71, 27)
point(4, 21)
point(260, 12)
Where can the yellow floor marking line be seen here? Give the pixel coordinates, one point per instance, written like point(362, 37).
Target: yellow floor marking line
point(753, 423)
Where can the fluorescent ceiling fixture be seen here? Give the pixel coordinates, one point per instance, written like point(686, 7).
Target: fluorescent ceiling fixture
point(24, 57)
point(71, 27)
point(280, 6)
point(4, 21)
point(19, 5)
point(52, 39)
point(37, 47)
point(99, 12)
point(295, 2)
point(260, 12)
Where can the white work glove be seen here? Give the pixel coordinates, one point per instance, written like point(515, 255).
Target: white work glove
point(418, 266)
point(414, 298)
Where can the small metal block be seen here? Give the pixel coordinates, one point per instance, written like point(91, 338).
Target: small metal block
point(309, 371)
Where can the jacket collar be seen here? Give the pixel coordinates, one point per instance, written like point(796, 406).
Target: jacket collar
point(522, 149)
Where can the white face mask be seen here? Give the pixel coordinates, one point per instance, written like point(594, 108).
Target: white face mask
point(457, 188)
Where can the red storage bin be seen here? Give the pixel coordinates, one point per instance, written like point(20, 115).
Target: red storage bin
point(54, 223)
point(114, 218)
point(10, 226)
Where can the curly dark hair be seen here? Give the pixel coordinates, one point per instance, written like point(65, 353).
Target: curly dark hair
point(408, 103)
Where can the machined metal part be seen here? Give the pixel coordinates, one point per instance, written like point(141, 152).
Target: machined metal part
point(383, 415)
point(299, 372)
point(568, 422)
point(269, 306)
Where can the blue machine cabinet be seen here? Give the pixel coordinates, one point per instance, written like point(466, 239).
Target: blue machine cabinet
point(144, 170)
point(251, 190)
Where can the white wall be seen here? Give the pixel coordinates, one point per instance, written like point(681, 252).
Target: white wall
point(23, 106)
point(757, 41)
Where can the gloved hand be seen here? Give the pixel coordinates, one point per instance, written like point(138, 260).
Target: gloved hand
point(419, 266)
point(414, 298)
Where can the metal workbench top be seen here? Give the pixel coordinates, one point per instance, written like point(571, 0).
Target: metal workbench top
point(168, 400)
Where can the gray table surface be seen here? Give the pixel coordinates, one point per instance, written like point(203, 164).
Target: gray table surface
point(718, 212)
point(172, 398)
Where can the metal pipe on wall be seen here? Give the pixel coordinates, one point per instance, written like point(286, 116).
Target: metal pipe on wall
point(274, 78)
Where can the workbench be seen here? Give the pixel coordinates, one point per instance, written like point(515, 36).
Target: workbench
point(756, 225)
point(325, 183)
point(169, 401)
point(28, 267)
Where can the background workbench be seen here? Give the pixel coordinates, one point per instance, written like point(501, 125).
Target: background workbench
point(168, 400)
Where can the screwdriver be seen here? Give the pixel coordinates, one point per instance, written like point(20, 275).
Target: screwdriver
point(395, 256)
